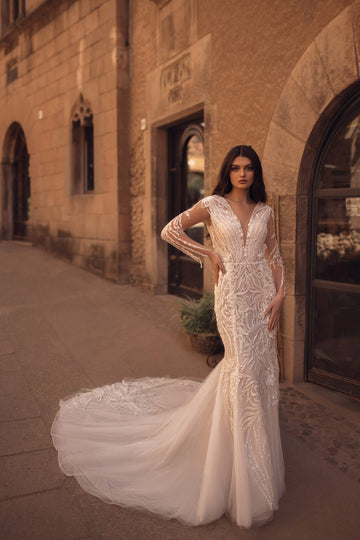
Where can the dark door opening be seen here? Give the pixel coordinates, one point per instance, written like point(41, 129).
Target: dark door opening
point(186, 188)
point(21, 186)
point(16, 186)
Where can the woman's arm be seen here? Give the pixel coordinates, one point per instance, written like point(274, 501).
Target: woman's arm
point(276, 265)
point(174, 234)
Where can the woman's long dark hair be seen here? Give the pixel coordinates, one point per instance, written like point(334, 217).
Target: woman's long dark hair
point(257, 189)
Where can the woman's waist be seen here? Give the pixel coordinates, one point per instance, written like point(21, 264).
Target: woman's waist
point(229, 263)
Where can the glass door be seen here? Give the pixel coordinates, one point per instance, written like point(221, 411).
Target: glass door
point(334, 303)
point(186, 188)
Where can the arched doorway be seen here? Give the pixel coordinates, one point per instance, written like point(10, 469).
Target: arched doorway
point(16, 202)
point(186, 188)
point(333, 342)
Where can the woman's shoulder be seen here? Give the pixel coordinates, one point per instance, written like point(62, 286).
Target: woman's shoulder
point(267, 210)
point(264, 206)
point(209, 201)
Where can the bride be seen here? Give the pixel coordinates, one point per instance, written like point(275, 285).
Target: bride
point(183, 449)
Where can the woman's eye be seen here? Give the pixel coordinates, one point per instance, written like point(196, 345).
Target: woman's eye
point(234, 168)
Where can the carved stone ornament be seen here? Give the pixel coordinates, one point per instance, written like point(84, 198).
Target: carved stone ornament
point(82, 111)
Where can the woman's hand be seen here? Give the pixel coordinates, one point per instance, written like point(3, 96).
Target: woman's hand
point(216, 264)
point(274, 308)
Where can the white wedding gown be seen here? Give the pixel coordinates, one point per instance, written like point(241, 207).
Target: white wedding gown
point(184, 449)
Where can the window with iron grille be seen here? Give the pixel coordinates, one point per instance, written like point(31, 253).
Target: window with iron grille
point(82, 147)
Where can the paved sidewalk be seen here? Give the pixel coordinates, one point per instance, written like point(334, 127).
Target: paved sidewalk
point(63, 329)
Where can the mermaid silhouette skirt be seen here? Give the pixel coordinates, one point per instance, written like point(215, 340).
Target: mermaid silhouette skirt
point(180, 448)
point(184, 449)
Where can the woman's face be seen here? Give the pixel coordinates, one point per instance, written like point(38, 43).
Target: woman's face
point(241, 173)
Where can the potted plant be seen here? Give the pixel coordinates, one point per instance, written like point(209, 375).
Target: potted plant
point(199, 322)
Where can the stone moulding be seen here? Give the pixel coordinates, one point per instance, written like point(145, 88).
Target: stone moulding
point(329, 65)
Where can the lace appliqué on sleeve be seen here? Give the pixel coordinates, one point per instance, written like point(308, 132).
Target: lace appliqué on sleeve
point(174, 234)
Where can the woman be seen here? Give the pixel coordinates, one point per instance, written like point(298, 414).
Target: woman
point(190, 450)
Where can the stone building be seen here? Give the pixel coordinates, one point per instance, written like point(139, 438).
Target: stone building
point(120, 113)
point(64, 129)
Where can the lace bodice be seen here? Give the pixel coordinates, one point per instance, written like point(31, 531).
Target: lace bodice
point(227, 236)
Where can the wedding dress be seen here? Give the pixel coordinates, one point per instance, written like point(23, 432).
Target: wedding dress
point(178, 447)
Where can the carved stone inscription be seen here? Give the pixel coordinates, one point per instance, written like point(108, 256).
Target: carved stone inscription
point(173, 76)
point(181, 83)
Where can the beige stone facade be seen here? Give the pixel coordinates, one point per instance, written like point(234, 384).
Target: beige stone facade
point(270, 74)
point(61, 51)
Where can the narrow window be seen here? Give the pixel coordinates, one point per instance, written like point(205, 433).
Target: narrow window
point(11, 71)
point(16, 9)
point(11, 11)
point(89, 156)
point(83, 180)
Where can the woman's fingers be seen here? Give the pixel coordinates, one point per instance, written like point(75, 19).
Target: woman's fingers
point(274, 308)
point(274, 315)
point(222, 267)
point(217, 267)
point(269, 308)
point(274, 319)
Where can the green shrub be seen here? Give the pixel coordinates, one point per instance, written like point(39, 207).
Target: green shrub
point(198, 315)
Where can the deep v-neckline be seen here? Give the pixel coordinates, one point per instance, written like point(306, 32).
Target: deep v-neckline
point(244, 234)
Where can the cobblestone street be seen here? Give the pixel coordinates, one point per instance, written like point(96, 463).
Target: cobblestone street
point(63, 329)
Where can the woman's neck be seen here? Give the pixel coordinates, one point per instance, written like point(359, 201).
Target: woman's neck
point(239, 196)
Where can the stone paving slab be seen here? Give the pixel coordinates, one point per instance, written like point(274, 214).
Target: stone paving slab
point(8, 362)
point(23, 436)
point(328, 433)
point(50, 515)
point(13, 383)
point(6, 347)
point(23, 474)
point(18, 406)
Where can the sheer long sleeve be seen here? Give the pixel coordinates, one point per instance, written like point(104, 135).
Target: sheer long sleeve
point(273, 256)
point(174, 232)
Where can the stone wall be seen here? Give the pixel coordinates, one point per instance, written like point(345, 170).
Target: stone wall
point(63, 49)
point(137, 191)
point(264, 77)
point(143, 54)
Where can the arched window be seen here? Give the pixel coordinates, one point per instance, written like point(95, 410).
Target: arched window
point(334, 302)
point(82, 147)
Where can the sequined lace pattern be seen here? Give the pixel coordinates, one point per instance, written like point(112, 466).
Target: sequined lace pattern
point(184, 449)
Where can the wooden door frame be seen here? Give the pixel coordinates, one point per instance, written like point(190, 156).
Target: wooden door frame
point(325, 130)
point(175, 200)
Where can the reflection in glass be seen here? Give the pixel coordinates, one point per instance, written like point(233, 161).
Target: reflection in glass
point(195, 171)
point(194, 158)
point(338, 239)
point(336, 333)
point(341, 166)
